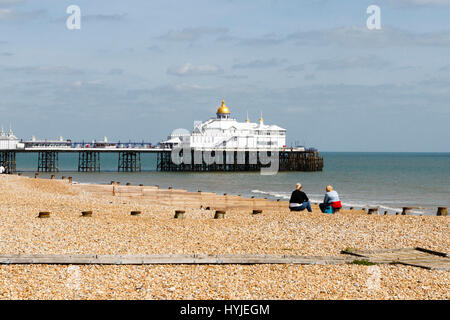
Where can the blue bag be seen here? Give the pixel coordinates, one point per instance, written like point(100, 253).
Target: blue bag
point(328, 209)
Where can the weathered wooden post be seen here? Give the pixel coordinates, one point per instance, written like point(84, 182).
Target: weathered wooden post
point(36, 175)
point(442, 211)
point(372, 211)
point(135, 213)
point(406, 211)
point(180, 214)
point(220, 214)
point(257, 211)
point(86, 213)
point(44, 214)
point(70, 179)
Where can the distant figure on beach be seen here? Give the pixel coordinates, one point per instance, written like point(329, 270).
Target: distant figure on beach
point(2, 169)
point(331, 202)
point(299, 200)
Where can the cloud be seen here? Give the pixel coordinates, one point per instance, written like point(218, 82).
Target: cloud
point(189, 69)
point(42, 70)
point(9, 15)
point(105, 17)
point(265, 40)
point(5, 14)
point(260, 64)
point(362, 37)
point(420, 2)
point(295, 68)
point(360, 62)
point(10, 2)
point(193, 34)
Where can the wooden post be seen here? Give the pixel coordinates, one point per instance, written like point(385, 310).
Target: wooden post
point(386, 213)
point(442, 211)
point(220, 214)
point(372, 211)
point(135, 213)
point(86, 213)
point(180, 214)
point(406, 211)
point(36, 175)
point(44, 214)
point(70, 179)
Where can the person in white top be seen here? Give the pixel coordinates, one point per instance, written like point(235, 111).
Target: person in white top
point(2, 169)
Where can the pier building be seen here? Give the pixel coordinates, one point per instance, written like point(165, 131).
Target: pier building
point(226, 132)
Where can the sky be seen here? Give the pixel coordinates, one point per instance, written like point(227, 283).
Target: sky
point(137, 70)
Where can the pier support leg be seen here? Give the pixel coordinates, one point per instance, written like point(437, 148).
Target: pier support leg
point(48, 161)
point(129, 161)
point(89, 161)
point(8, 160)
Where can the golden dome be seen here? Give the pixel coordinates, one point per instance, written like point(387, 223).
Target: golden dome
point(223, 109)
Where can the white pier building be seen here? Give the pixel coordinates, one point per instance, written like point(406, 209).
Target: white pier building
point(9, 141)
point(224, 132)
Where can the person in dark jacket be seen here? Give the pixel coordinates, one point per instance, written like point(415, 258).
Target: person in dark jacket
point(299, 200)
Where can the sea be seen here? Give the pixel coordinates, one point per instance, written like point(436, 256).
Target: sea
point(389, 181)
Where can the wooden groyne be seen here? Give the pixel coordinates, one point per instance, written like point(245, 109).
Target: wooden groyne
point(181, 198)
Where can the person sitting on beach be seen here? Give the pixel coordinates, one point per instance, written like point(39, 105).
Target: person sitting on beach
point(299, 200)
point(331, 200)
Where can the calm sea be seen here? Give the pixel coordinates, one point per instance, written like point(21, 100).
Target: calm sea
point(387, 180)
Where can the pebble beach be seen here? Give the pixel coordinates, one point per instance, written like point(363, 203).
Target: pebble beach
point(111, 230)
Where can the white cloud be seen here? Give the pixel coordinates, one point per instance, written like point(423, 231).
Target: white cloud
point(5, 14)
point(189, 69)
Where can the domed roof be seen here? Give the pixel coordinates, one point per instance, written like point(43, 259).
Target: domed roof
point(223, 109)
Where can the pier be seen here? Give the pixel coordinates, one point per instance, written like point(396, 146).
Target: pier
point(129, 159)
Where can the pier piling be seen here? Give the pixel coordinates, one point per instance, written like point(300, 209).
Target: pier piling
point(8, 161)
point(129, 161)
point(89, 161)
point(48, 161)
